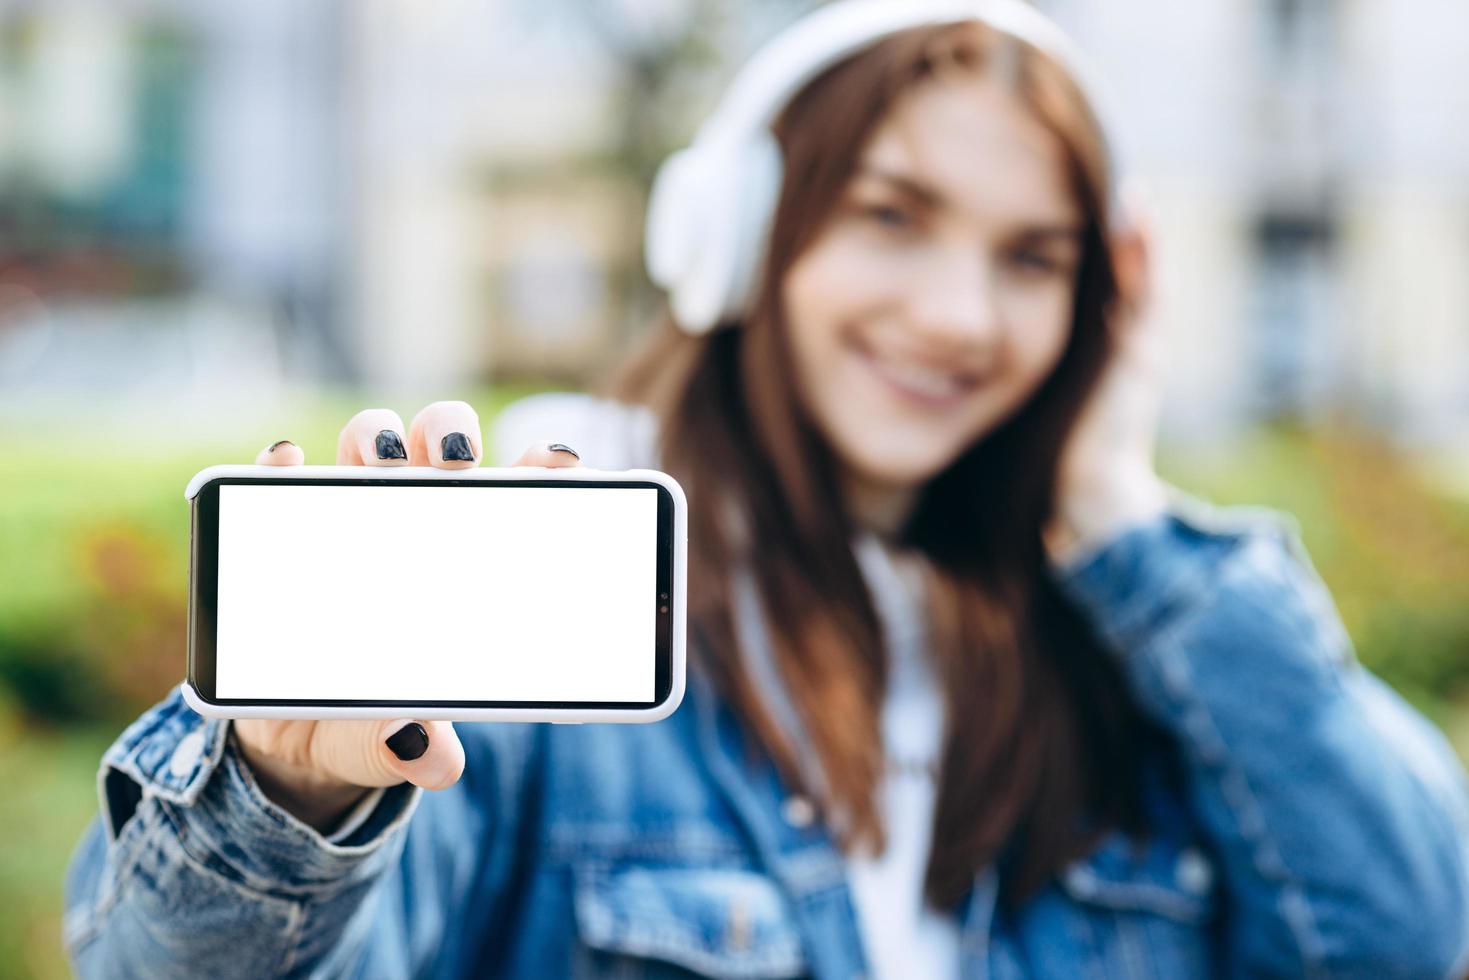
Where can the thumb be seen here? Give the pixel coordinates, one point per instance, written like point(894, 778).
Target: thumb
point(425, 753)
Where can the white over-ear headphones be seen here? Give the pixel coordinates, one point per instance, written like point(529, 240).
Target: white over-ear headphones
point(713, 202)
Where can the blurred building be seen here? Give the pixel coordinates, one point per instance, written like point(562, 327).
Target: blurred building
point(174, 195)
point(1309, 168)
point(422, 195)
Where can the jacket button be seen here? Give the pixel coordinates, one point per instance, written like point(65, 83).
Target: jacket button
point(739, 929)
point(798, 811)
point(186, 754)
point(1079, 880)
point(1193, 872)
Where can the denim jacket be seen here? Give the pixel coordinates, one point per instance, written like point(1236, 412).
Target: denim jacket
point(1319, 827)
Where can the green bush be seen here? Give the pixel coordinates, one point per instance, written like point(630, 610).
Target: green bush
point(1394, 553)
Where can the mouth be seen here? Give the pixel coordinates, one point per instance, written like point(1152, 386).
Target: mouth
point(918, 384)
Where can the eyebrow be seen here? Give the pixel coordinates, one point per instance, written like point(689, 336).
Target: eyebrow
point(904, 183)
point(933, 198)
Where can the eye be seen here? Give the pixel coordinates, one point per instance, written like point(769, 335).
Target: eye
point(889, 215)
point(1029, 260)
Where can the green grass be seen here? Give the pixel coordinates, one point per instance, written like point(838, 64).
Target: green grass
point(49, 777)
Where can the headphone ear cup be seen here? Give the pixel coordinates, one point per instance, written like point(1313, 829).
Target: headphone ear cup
point(708, 217)
point(683, 236)
point(759, 177)
point(669, 228)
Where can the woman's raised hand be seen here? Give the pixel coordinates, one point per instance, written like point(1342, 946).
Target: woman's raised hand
point(318, 769)
point(1105, 478)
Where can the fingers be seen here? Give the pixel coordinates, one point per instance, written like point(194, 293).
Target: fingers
point(426, 753)
point(556, 454)
point(1132, 266)
point(282, 453)
point(372, 437)
point(446, 435)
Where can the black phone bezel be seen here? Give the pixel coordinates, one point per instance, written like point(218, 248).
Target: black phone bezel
point(204, 592)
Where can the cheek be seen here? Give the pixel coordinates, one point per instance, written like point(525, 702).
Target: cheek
point(1036, 348)
point(834, 281)
point(827, 291)
point(829, 295)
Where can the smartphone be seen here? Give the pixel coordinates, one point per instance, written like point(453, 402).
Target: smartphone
point(510, 594)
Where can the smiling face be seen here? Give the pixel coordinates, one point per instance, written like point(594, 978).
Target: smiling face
point(938, 295)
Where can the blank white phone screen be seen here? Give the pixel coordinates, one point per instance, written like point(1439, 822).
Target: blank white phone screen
point(445, 593)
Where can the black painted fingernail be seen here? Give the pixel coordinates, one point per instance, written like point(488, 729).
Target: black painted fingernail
point(409, 742)
point(561, 447)
point(389, 446)
point(283, 442)
point(456, 446)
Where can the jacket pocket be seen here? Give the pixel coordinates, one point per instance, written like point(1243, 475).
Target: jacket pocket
point(1148, 910)
point(672, 921)
point(1177, 883)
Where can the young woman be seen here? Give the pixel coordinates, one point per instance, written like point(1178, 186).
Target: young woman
point(971, 692)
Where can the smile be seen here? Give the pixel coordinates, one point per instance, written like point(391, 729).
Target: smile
point(920, 385)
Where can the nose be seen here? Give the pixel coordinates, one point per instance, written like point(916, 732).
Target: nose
point(954, 305)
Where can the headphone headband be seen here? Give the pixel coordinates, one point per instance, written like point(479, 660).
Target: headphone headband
point(794, 57)
point(712, 203)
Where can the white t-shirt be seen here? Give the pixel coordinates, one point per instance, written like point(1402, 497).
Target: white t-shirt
point(903, 936)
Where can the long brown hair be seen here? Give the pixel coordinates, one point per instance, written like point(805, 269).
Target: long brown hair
point(1039, 750)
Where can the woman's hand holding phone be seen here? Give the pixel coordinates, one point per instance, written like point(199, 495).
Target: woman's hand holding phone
point(318, 769)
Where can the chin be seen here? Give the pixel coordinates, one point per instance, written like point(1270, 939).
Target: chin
point(903, 468)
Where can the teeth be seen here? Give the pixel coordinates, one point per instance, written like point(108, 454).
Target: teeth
point(924, 381)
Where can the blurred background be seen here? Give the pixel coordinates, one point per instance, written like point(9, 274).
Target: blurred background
point(225, 224)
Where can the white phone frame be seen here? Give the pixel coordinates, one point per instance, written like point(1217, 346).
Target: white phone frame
point(678, 596)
